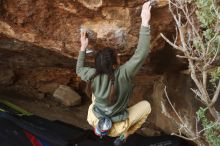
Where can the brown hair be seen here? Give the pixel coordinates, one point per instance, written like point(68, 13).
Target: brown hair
point(105, 59)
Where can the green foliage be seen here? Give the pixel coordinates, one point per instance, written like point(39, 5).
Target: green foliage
point(212, 129)
point(208, 34)
point(205, 13)
point(215, 75)
point(208, 15)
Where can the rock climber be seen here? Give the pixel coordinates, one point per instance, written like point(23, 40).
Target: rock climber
point(111, 86)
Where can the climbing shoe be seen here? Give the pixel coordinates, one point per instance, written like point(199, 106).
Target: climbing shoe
point(119, 141)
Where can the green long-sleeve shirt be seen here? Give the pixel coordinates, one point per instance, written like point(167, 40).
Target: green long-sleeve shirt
point(123, 80)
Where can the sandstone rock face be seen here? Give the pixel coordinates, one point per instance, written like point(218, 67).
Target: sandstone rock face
point(36, 71)
point(182, 99)
point(55, 24)
point(6, 76)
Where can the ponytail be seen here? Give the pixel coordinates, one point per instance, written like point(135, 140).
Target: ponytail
point(104, 62)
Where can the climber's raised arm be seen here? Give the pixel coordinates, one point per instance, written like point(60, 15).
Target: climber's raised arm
point(83, 72)
point(132, 66)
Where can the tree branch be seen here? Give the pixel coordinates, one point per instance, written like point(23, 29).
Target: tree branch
point(210, 41)
point(216, 95)
point(172, 44)
point(204, 77)
point(165, 91)
point(189, 57)
point(186, 138)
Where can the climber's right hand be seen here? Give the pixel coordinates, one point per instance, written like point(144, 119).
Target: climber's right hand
point(84, 41)
point(146, 14)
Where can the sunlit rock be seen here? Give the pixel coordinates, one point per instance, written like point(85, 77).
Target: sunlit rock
point(67, 96)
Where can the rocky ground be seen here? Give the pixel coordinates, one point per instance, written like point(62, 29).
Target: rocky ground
point(51, 109)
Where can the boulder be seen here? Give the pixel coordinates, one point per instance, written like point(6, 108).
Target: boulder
point(67, 96)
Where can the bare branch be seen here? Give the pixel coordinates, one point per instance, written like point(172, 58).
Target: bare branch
point(215, 10)
point(204, 77)
point(189, 57)
point(216, 95)
point(182, 37)
point(213, 59)
point(186, 138)
point(172, 44)
point(193, 11)
point(171, 10)
point(192, 25)
point(176, 35)
point(210, 41)
point(197, 133)
point(176, 6)
point(193, 74)
point(214, 113)
point(165, 91)
point(198, 94)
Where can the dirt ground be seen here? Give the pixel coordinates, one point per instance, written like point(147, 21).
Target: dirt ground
point(50, 109)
